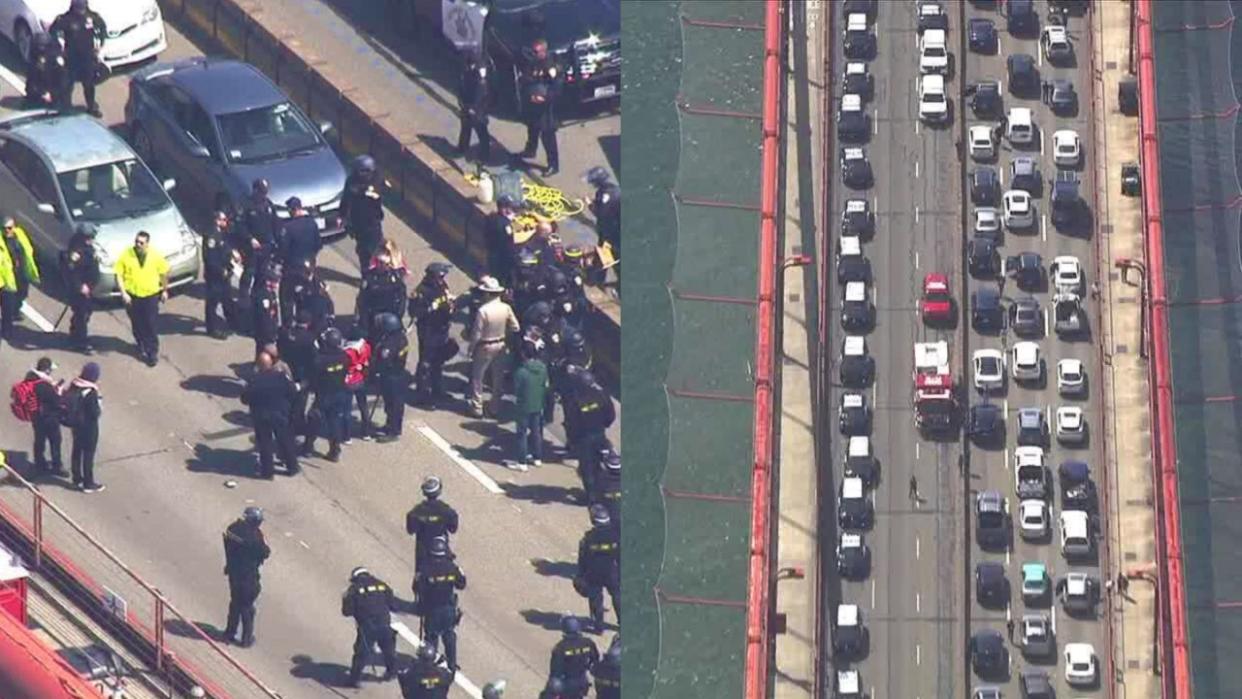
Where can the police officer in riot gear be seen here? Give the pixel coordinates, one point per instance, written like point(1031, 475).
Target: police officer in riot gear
point(430, 519)
point(528, 280)
point(259, 242)
point(474, 96)
point(606, 488)
point(606, 206)
point(47, 77)
point(568, 302)
point(217, 278)
point(245, 550)
point(299, 236)
point(82, 32)
point(81, 265)
point(572, 658)
point(370, 602)
point(295, 284)
point(432, 308)
point(383, 291)
point(298, 348)
point(331, 408)
point(388, 360)
point(588, 412)
point(599, 565)
point(362, 209)
point(317, 303)
point(425, 679)
point(607, 673)
point(271, 395)
point(435, 591)
point(265, 307)
point(498, 235)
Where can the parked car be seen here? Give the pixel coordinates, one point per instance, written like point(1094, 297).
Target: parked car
point(982, 144)
point(1056, 44)
point(985, 187)
point(1023, 75)
point(1066, 148)
point(135, 27)
point(1026, 318)
point(985, 98)
point(1019, 209)
point(933, 104)
point(1027, 270)
point(1071, 377)
point(982, 257)
point(981, 33)
point(853, 123)
point(218, 125)
point(989, 366)
point(59, 171)
point(934, 52)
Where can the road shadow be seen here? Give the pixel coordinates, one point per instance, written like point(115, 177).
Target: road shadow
point(329, 675)
point(541, 494)
point(611, 145)
point(226, 462)
point(544, 620)
point(555, 569)
point(194, 630)
point(178, 324)
point(219, 386)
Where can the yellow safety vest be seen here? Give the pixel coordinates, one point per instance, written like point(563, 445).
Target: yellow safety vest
point(138, 279)
point(8, 276)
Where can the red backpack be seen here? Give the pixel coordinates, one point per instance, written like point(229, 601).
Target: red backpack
point(23, 400)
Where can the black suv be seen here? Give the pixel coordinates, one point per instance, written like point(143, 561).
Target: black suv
point(1023, 75)
point(986, 313)
point(1021, 17)
point(985, 189)
point(982, 257)
point(853, 557)
point(1024, 174)
point(987, 652)
point(1065, 200)
point(1027, 269)
point(991, 587)
point(985, 98)
point(985, 423)
point(982, 33)
point(583, 35)
point(856, 168)
point(854, 268)
point(854, 415)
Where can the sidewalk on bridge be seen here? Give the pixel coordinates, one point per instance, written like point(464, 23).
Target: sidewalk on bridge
point(797, 533)
point(1127, 424)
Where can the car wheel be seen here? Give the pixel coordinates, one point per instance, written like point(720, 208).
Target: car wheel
point(142, 145)
point(23, 39)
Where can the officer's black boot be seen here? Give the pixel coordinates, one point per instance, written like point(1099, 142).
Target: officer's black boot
point(450, 649)
point(596, 602)
point(334, 452)
point(230, 628)
point(247, 625)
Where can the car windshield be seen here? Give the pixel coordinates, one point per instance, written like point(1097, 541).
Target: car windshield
point(934, 51)
point(933, 97)
point(111, 191)
point(266, 133)
point(989, 365)
point(991, 520)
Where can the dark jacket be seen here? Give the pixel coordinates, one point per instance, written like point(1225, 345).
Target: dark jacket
point(369, 601)
point(573, 657)
point(81, 264)
point(429, 519)
point(390, 354)
point(362, 207)
point(80, 32)
point(435, 584)
point(297, 347)
point(424, 680)
point(48, 394)
point(47, 76)
point(217, 261)
point(330, 368)
point(599, 555)
point(474, 93)
point(261, 225)
point(270, 395)
point(92, 406)
point(245, 550)
point(299, 241)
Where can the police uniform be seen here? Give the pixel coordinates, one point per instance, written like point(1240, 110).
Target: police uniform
point(435, 587)
point(297, 348)
point(389, 372)
point(494, 322)
point(259, 242)
point(47, 76)
point(607, 208)
point(217, 278)
point(588, 412)
point(474, 94)
point(299, 238)
point(572, 658)
point(245, 550)
point(606, 491)
point(383, 291)
point(271, 395)
point(370, 602)
point(432, 308)
point(80, 32)
point(81, 265)
point(529, 281)
point(295, 284)
point(540, 82)
point(599, 567)
point(429, 519)
point(266, 309)
point(362, 210)
point(425, 680)
point(567, 301)
point(316, 303)
point(331, 401)
point(607, 675)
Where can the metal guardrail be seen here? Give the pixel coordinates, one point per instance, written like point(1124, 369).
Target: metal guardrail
point(134, 611)
point(427, 190)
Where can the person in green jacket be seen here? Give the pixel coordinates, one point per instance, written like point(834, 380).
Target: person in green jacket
point(530, 387)
point(18, 270)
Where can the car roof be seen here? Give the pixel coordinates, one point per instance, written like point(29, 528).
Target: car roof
point(851, 488)
point(859, 444)
point(1080, 649)
point(855, 344)
point(991, 498)
point(850, 246)
point(853, 400)
point(851, 102)
point(1017, 195)
point(1076, 471)
point(1020, 115)
point(1023, 165)
point(1026, 455)
point(933, 81)
point(992, 636)
point(994, 353)
point(1070, 363)
point(934, 36)
point(851, 541)
point(856, 21)
point(991, 569)
point(1026, 350)
point(1036, 681)
point(991, 409)
point(223, 86)
point(1062, 84)
point(1034, 571)
point(1066, 260)
point(847, 615)
point(980, 21)
point(1073, 517)
point(855, 291)
point(981, 129)
point(1033, 504)
point(72, 142)
point(856, 206)
point(1064, 134)
point(984, 172)
point(986, 297)
point(1029, 415)
point(856, 68)
point(1021, 60)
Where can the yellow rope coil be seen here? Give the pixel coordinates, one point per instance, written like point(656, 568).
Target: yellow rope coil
point(544, 204)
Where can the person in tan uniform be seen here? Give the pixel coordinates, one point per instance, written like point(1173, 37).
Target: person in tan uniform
point(492, 324)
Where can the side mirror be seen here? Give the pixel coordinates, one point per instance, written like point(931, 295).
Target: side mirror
point(169, 184)
point(325, 127)
point(46, 208)
point(199, 151)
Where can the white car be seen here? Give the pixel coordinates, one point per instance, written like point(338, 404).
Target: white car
point(1067, 274)
point(933, 105)
point(1080, 670)
point(1071, 377)
point(135, 27)
point(1019, 209)
point(933, 52)
point(1026, 363)
point(1056, 43)
point(1033, 517)
point(1071, 425)
point(982, 147)
point(1021, 129)
point(987, 220)
point(1066, 148)
point(989, 367)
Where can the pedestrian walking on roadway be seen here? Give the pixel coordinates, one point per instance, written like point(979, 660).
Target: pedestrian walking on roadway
point(474, 96)
point(530, 388)
point(82, 31)
point(19, 268)
point(493, 323)
point(914, 488)
point(430, 519)
point(245, 551)
point(435, 595)
point(1009, 626)
point(83, 408)
point(370, 602)
point(607, 672)
point(217, 279)
point(425, 678)
point(47, 76)
point(142, 276)
point(572, 658)
point(362, 209)
point(271, 394)
point(81, 270)
point(432, 309)
point(599, 566)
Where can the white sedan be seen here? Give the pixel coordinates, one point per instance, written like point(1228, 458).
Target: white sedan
point(135, 27)
point(1034, 519)
point(989, 369)
point(1080, 670)
point(1071, 377)
point(1067, 274)
point(982, 147)
point(1019, 211)
point(1071, 425)
point(1066, 148)
point(1027, 365)
point(933, 105)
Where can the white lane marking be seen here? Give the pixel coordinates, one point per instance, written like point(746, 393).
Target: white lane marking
point(916, 213)
point(1000, 47)
point(916, 451)
point(918, 549)
point(875, 205)
point(1006, 410)
point(873, 387)
point(1000, 173)
point(918, 602)
point(1039, 56)
point(918, 654)
point(1045, 322)
point(1001, 85)
point(873, 593)
point(1007, 558)
point(458, 679)
point(1008, 613)
point(1054, 620)
point(1043, 226)
point(13, 79)
point(916, 168)
point(916, 125)
point(875, 122)
point(36, 317)
point(466, 465)
point(1006, 458)
point(1040, 133)
point(916, 259)
point(1048, 414)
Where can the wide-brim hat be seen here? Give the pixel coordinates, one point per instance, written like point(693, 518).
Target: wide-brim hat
point(489, 285)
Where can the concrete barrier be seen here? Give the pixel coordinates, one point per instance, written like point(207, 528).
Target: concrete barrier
point(422, 182)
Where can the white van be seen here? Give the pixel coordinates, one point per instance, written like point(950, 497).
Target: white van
point(1021, 129)
point(1076, 537)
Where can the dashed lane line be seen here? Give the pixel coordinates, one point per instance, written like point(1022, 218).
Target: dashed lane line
point(458, 679)
point(466, 465)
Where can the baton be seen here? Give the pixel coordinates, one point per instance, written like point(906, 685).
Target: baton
point(61, 317)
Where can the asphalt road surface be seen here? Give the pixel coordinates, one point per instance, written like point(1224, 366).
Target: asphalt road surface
point(912, 601)
point(992, 469)
point(175, 434)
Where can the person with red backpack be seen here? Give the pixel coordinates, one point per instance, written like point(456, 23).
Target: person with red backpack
point(358, 349)
point(46, 415)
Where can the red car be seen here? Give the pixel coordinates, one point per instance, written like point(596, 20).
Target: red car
point(937, 303)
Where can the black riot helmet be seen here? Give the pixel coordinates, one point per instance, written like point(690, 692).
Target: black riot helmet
point(254, 515)
point(538, 314)
point(600, 516)
point(426, 653)
point(438, 270)
point(364, 165)
point(598, 176)
point(574, 340)
point(260, 187)
point(273, 271)
point(332, 339)
point(571, 625)
point(611, 460)
point(432, 487)
point(389, 322)
point(558, 281)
